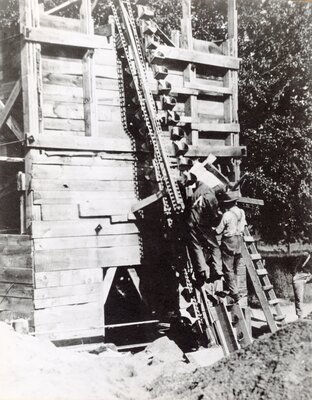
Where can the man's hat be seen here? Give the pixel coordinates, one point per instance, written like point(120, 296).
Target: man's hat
point(231, 196)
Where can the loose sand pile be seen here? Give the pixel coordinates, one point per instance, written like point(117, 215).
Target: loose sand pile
point(275, 367)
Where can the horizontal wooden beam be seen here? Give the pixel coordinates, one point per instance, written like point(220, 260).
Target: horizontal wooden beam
point(88, 227)
point(11, 159)
point(219, 151)
point(63, 259)
point(72, 142)
point(190, 56)
point(208, 127)
point(249, 200)
point(65, 38)
point(208, 89)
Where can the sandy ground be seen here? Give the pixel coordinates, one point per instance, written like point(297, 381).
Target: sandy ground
point(274, 367)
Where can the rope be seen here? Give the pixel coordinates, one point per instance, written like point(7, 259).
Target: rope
point(15, 141)
point(6, 293)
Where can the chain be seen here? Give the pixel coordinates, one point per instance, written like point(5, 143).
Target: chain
point(171, 184)
point(162, 170)
point(161, 163)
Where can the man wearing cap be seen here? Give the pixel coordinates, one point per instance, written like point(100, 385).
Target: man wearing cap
point(301, 276)
point(201, 217)
point(231, 229)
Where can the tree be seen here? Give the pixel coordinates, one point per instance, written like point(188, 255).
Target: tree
point(274, 105)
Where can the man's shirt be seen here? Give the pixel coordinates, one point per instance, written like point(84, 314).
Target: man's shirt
point(203, 212)
point(232, 223)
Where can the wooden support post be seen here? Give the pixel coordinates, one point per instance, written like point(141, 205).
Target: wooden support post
point(136, 281)
point(30, 67)
point(107, 284)
point(175, 37)
point(21, 187)
point(89, 79)
point(186, 26)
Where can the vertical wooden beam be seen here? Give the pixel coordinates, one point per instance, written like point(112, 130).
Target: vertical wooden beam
point(89, 78)
point(231, 106)
point(107, 284)
point(29, 17)
point(175, 37)
point(21, 187)
point(186, 25)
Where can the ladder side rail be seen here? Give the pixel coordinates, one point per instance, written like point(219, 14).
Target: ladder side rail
point(258, 289)
point(270, 294)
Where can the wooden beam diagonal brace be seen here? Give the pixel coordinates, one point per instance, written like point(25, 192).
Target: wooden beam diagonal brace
point(147, 201)
point(7, 107)
point(60, 6)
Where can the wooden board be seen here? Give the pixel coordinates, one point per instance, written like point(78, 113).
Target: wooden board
point(67, 314)
point(108, 207)
point(16, 304)
point(59, 212)
point(71, 333)
point(67, 141)
point(16, 275)
point(19, 290)
point(81, 184)
point(56, 260)
point(82, 242)
point(75, 39)
point(180, 56)
point(83, 159)
point(75, 197)
point(66, 300)
point(15, 260)
point(68, 278)
point(75, 111)
point(46, 229)
point(71, 66)
point(65, 291)
point(60, 81)
point(109, 173)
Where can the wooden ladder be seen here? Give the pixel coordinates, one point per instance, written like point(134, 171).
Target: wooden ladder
point(261, 282)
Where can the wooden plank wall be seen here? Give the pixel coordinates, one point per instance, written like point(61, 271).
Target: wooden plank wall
point(9, 73)
point(74, 192)
point(16, 277)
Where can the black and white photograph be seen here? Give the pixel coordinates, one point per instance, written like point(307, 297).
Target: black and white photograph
point(155, 200)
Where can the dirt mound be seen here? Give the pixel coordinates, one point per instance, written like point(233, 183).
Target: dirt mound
point(277, 367)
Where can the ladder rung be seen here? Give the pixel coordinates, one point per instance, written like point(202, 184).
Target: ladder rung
point(267, 287)
point(255, 256)
point(273, 302)
point(262, 271)
point(279, 317)
point(249, 239)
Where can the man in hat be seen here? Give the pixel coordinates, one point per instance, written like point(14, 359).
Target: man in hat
point(201, 217)
point(301, 276)
point(231, 229)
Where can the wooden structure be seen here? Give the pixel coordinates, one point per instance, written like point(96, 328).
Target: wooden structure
point(76, 169)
